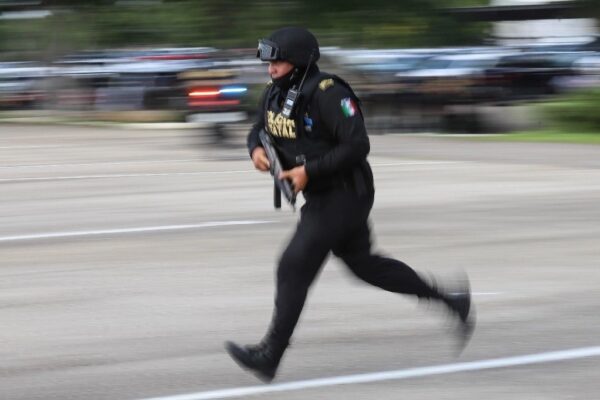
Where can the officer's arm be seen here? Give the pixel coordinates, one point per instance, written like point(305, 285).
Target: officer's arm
point(253, 141)
point(342, 117)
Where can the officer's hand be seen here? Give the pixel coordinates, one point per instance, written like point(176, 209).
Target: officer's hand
point(260, 160)
point(298, 177)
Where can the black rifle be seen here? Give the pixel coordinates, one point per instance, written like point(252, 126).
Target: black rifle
point(281, 185)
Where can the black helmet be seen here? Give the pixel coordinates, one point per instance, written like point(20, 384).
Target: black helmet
point(292, 44)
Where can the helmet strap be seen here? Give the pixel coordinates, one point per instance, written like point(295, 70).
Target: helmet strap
point(310, 61)
point(295, 93)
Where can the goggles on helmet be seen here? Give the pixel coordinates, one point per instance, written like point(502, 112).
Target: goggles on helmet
point(268, 51)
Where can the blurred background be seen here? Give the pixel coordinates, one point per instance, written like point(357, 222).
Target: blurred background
point(127, 256)
point(418, 65)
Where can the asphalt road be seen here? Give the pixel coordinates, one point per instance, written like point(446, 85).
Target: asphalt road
point(127, 257)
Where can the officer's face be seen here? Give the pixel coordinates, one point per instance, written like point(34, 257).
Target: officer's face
point(277, 69)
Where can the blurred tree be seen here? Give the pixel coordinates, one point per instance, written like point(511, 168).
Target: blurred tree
point(89, 24)
point(391, 23)
point(592, 7)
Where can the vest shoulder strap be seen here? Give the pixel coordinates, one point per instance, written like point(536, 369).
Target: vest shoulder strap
point(322, 82)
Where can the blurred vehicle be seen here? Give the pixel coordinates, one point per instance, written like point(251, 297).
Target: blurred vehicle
point(372, 75)
point(400, 89)
point(533, 74)
point(203, 85)
point(398, 63)
point(21, 84)
point(584, 72)
point(195, 81)
point(125, 79)
point(175, 53)
point(589, 64)
point(214, 95)
point(452, 79)
point(225, 92)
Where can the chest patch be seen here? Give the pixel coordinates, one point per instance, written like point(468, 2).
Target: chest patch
point(281, 126)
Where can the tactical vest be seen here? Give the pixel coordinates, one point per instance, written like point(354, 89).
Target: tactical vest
point(299, 141)
point(306, 142)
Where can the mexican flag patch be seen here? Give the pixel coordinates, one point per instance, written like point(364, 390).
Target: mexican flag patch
point(348, 107)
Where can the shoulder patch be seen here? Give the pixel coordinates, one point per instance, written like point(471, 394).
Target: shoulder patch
point(325, 84)
point(348, 107)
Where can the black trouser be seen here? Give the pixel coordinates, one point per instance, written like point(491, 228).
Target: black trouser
point(335, 221)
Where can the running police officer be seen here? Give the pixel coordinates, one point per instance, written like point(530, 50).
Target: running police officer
point(318, 128)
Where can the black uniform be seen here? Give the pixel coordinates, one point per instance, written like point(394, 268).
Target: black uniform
point(328, 135)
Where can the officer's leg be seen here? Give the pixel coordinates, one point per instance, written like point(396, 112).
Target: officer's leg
point(395, 276)
point(387, 273)
point(297, 269)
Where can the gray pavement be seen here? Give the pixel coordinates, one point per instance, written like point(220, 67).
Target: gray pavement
point(127, 257)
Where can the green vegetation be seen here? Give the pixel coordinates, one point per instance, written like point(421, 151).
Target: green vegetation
point(96, 24)
point(547, 136)
point(572, 118)
point(576, 112)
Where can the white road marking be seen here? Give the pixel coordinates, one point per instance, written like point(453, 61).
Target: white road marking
point(415, 162)
point(99, 163)
point(113, 176)
point(481, 293)
point(52, 235)
point(47, 146)
point(539, 358)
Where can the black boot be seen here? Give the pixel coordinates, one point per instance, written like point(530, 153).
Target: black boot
point(262, 359)
point(459, 304)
